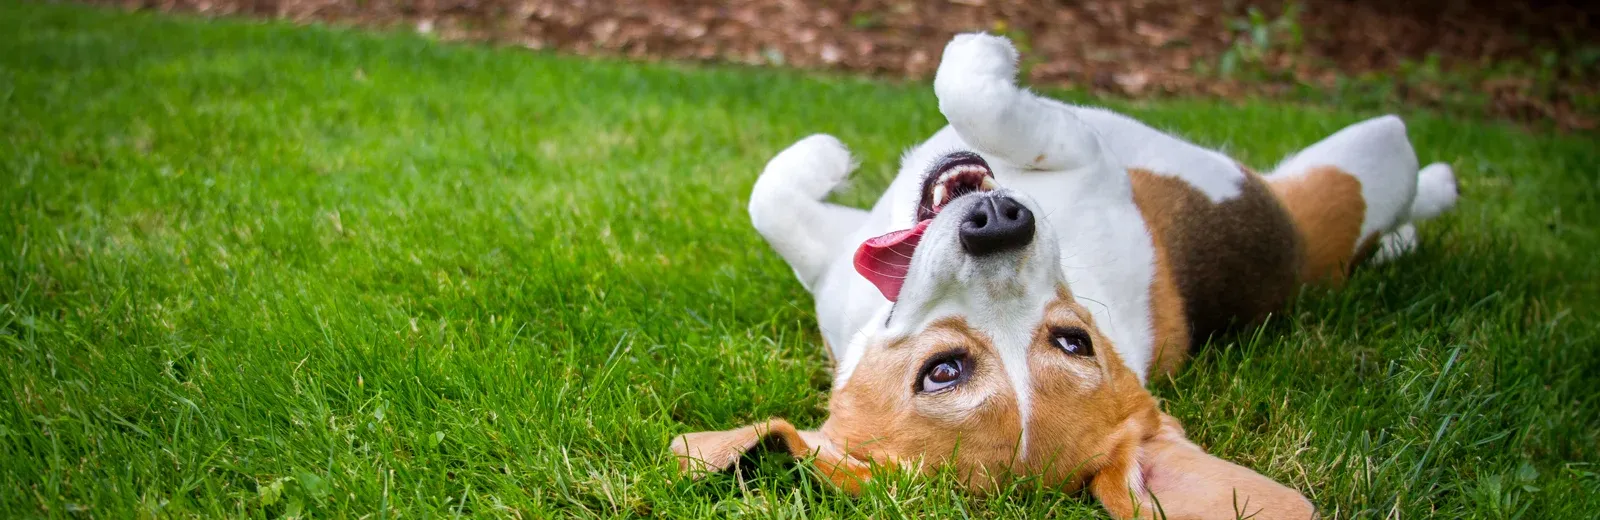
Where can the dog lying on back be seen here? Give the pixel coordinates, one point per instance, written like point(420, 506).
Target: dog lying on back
point(1001, 307)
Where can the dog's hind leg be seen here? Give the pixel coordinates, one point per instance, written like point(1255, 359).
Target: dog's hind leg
point(787, 207)
point(979, 96)
point(1437, 192)
point(1355, 186)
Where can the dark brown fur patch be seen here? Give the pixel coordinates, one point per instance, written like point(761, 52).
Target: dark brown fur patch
point(1327, 208)
point(1234, 262)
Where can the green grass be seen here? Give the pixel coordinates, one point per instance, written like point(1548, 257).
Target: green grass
point(252, 269)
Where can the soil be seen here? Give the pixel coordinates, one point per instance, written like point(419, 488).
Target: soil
point(1533, 62)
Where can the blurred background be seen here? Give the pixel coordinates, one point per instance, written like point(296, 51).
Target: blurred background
point(1532, 62)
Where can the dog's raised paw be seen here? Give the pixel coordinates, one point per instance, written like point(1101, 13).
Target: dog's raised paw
point(978, 56)
point(812, 166)
point(975, 78)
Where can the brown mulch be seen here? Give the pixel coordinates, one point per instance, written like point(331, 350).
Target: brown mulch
point(1131, 47)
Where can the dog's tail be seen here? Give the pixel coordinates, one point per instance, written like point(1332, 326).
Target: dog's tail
point(1437, 191)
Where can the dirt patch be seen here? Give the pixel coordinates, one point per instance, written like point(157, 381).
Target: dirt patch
point(1534, 62)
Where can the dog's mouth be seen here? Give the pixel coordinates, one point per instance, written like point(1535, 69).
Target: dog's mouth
point(884, 260)
point(954, 175)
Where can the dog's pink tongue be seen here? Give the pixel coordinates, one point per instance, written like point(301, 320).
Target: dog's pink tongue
point(884, 260)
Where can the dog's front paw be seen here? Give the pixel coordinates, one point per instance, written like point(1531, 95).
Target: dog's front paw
point(977, 56)
point(812, 166)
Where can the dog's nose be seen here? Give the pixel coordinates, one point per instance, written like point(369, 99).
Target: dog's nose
point(998, 223)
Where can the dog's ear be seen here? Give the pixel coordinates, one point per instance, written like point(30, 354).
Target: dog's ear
point(702, 453)
point(1187, 483)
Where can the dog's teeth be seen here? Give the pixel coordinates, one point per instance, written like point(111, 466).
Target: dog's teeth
point(989, 184)
point(938, 195)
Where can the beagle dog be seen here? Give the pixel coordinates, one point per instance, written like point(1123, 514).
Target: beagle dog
point(1000, 309)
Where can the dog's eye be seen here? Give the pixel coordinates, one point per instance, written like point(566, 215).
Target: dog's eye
point(943, 372)
point(1072, 340)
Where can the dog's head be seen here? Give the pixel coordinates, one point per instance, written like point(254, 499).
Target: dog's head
point(989, 366)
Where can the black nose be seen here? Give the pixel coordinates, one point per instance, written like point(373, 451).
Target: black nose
point(996, 224)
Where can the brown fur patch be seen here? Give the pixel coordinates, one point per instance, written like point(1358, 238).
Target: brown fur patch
point(1327, 208)
point(1232, 262)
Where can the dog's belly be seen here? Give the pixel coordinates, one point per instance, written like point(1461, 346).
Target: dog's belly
point(1232, 261)
point(1231, 250)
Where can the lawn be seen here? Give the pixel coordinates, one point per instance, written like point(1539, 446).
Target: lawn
point(253, 269)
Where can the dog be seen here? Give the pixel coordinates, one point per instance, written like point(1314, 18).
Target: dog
point(1034, 263)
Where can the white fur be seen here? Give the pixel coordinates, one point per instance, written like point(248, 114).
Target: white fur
point(1436, 194)
point(1135, 145)
point(1079, 190)
point(1396, 243)
point(786, 207)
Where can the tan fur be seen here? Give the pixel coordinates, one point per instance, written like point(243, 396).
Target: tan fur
point(877, 416)
point(701, 453)
point(1119, 467)
point(1171, 327)
point(1091, 423)
point(1327, 209)
point(1171, 347)
point(1074, 431)
point(1230, 262)
point(1187, 483)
